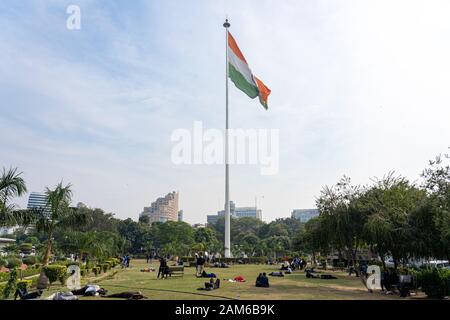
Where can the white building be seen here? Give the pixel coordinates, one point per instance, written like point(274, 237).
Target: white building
point(236, 212)
point(304, 215)
point(38, 200)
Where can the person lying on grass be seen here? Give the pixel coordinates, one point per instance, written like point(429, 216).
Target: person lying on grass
point(130, 295)
point(90, 290)
point(276, 274)
point(313, 275)
point(207, 275)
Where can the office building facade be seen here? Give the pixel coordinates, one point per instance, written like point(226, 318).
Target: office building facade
point(236, 212)
point(163, 209)
point(38, 200)
point(304, 215)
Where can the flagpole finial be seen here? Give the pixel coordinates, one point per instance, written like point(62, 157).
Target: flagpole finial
point(226, 24)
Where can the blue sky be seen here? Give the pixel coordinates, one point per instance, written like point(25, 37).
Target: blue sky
point(358, 88)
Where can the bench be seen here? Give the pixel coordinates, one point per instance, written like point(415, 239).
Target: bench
point(175, 270)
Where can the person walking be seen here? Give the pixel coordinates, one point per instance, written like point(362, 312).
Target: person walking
point(162, 268)
point(200, 262)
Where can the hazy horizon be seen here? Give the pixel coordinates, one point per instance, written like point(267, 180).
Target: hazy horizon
point(356, 91)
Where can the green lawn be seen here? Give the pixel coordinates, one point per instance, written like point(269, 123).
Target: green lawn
point(294, 286)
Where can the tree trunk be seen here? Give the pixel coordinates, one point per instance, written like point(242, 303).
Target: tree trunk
point(48, 251)
point(395, 262)
point(383, 262)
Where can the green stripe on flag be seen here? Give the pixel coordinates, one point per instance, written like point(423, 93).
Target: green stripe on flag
point(241, 83)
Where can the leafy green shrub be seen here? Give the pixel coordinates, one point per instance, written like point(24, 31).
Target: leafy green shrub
point(96, 270)
point(24, 284)
point(34, 282)
point(32, 240)
point(31, 271)
point(434, 282)
point(26, 247)
point(3, 262)
point(29, 260)
point(13, 262)
point(105, 267)
point(71, 263)
point(10, 286)
point(55, 272)
point(113, 262)
point(4, 276)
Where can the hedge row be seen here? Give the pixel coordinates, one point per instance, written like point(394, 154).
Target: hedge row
point(251, 260)
point(434, 282)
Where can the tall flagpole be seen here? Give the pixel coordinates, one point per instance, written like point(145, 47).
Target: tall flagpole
point(227, 182)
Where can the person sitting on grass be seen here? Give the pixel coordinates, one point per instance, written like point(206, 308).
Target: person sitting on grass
point(276, 274)
point(211, 285)
point(262, 281)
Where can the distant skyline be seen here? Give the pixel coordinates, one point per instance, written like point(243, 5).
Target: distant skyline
point(359, 88)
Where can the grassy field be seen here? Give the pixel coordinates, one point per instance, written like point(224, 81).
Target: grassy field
point(294, 286)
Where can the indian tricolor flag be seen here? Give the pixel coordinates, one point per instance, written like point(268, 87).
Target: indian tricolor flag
point(241, 75)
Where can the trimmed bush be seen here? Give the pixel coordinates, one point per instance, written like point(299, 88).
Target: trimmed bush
point(29, 260)
point(71, 263)
point(13, 262)
point(434, 282)
point(112, 262)
point(31, 271)
point(56, 272)
point(96, 270)
point(105, 267)
point(4, 276)
point(24, 284)
point(26, 247)
point(10, 286)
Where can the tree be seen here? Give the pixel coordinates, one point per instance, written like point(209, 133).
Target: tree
point(11, 185)
point(437, 185)
point(61, 216)
point(207, 237)
point(390, 204)
point(315, 238)
point(249, 243)
point(342, 217)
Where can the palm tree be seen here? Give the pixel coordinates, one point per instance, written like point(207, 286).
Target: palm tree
point(11, 185)
point(57, 214)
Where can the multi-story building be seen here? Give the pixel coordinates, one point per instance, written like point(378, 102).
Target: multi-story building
point(180, 215)
point(248, 212)
point(163, 209)
point(236, 212)
point(212, 219)
point(304, 215)
point(38, 200)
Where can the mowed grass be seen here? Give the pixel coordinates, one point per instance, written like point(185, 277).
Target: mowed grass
point(291, 287)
